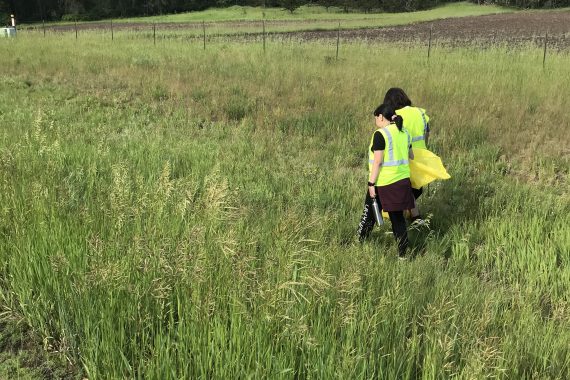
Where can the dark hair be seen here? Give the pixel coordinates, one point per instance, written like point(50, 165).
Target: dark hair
point(389, 114)
point(397, 98)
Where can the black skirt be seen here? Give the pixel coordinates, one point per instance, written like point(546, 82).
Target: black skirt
point(397, 196)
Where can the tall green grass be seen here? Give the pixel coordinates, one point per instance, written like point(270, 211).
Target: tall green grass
point(168, 212)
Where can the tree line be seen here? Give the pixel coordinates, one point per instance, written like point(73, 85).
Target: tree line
point(54, 10)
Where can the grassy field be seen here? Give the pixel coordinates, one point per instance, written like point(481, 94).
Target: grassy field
point(304, 13)
point(239, 20)
point(172, 212)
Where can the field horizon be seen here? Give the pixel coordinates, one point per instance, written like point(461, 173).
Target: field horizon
point(239, 13)
point(456, 24)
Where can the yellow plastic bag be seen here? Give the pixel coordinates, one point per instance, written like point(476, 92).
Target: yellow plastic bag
point(425, 168)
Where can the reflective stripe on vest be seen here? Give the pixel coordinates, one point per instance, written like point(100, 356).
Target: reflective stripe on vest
point(392, 163)
point(390, 143)
point(416, 121)
point(395, 165)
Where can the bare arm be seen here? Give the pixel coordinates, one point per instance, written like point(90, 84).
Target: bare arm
point(378, 158)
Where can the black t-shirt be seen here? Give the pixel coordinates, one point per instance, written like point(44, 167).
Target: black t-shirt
point(378, 143)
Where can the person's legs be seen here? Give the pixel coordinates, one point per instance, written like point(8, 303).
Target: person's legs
point(417, 192)
point(415, 212)
point(367, 220)
point(400, 231)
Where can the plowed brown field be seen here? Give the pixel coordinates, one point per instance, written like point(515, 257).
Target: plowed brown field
point(511, 28)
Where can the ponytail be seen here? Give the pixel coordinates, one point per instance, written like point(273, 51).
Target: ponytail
point(399, 122)
point(388, 112)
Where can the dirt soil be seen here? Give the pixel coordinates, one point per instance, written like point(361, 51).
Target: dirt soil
point(510, 28)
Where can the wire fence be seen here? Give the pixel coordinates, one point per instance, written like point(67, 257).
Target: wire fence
point(430, 34)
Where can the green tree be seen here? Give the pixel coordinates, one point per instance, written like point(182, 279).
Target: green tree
point(367, 5)
point(4, 12)
point(37, 10)
point(291, 5)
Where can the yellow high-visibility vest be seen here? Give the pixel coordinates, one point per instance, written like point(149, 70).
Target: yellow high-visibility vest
point(395, 165)
point(416, 122)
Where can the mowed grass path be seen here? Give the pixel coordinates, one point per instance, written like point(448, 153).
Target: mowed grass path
point(171, 212)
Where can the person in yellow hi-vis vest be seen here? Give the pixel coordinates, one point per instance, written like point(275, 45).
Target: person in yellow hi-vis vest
point(389, 155)
point(416, 122)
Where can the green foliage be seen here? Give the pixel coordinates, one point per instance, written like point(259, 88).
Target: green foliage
point(291, 5)
point(32, 10)
point(168, 212)
point(74, 17)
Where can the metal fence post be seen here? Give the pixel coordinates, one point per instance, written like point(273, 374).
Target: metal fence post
point(545, 44)
point(337, 40)
point(429, 43)
point(204, 33)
